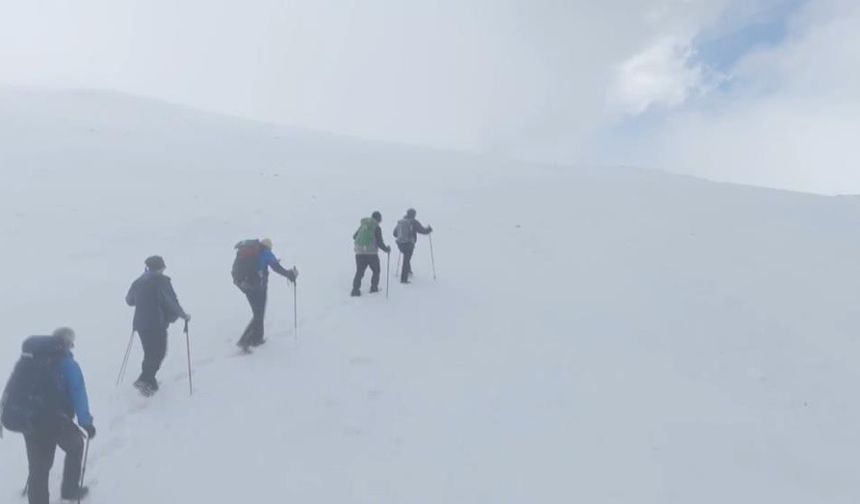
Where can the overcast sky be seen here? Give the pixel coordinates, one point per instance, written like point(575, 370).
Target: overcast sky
point(757, 91)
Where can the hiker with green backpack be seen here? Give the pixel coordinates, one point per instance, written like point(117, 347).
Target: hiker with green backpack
point(368, 242)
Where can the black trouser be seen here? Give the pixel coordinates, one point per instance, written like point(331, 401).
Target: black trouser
point(407, 249)
point(41, 446)
point(254, 332)
point(154, 349)
point(362, 261)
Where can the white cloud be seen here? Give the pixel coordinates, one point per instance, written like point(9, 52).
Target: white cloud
point(662, 74)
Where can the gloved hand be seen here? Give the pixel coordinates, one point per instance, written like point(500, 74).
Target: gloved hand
point(91, 431)
point(187, 318)
point(429, 229)
point(387, 250)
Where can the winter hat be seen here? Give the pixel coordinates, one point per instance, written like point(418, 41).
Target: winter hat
point(266, 242)
point(67, 335)
point(411, 213)
point(376, 216)
point(155, 263)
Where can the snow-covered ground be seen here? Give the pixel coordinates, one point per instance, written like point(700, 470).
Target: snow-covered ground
point(594, 336)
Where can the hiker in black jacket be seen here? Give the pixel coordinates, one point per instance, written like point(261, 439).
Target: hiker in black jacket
point(368, 242)
point(155, 308)
point(406, 232)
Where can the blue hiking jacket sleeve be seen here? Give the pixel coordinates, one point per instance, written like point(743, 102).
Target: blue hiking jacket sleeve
point(268, 260)
point(73, 379)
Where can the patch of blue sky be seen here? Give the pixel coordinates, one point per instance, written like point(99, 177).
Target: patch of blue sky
point(721, 50)
point(716, 52)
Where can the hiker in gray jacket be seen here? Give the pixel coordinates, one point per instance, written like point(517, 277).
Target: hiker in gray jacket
point(406, 232)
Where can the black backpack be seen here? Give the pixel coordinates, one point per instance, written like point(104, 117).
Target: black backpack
point(34, 389)
point(245, 265)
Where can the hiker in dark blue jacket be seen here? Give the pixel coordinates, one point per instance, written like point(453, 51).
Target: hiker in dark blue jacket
point(256, 290)
point(55, 426)
point(155, 308)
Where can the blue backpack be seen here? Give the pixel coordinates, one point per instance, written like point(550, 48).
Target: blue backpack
point(34, 389)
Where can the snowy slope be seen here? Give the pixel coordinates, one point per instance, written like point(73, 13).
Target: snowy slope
point(595, 336)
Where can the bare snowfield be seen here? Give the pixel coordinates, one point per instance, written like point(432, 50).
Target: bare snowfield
point(594, 335)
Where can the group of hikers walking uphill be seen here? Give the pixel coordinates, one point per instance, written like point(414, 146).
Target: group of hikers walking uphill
point(368, 243)
point(46, 391)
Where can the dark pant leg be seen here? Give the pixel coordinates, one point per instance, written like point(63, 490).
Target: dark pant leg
point(71, 441)
point(361, 264)
point(375, 269)
point(258, 308)
point(41, 446)
point(407, 249)
point(154, 349)
point(244, 340)
point(254, 332)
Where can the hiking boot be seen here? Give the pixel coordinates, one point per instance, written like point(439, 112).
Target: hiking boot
point(258, 342)
point(76, 494)
point(355, 293)
point(145, 388)
point(374, 290)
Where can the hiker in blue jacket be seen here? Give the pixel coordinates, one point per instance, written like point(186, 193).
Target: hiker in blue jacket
point(65, 398)
point(255, 286)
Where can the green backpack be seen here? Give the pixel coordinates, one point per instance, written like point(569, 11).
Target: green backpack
point(365, 237)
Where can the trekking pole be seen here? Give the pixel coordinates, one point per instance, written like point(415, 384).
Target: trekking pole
point(188, 349)
point(432, 258)
point(399, 255)
point(295, 311)
point(84, 465)
point(387, 273)
point(125, 359)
